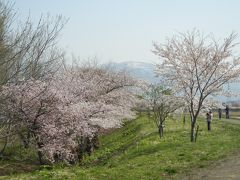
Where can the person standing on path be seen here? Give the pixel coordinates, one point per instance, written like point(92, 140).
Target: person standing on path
point(209, 117)
point(219, 113)
point(227, 112)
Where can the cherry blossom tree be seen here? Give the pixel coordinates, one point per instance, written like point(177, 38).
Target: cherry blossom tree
point(197, 66)
point(27, 50)
point(162, 102)
point(58, 116)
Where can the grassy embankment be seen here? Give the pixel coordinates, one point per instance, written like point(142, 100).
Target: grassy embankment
point(136, 152)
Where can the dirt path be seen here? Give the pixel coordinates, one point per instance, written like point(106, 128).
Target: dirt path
point(225, 169)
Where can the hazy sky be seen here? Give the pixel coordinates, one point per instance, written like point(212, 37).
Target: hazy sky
point(124, 30)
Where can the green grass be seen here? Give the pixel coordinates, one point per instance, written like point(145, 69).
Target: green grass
point(136, 152)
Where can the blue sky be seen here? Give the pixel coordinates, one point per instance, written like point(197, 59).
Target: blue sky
point(124, 30)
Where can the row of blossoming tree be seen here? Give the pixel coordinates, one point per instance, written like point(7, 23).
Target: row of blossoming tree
point(58, 110)
point(58, 116)
point(51, 107)
point(193, 69)
point(196, 67)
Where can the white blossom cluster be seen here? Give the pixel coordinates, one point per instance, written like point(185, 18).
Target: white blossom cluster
point(72, 105)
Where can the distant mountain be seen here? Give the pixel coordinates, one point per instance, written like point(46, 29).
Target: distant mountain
point(140, 70)
point(145, 71)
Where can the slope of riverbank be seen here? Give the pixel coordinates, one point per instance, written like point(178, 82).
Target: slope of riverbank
point(136, 152)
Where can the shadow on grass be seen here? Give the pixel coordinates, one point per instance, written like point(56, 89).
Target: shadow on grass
point(9, 168)
point(18, 160)
point(130, 141)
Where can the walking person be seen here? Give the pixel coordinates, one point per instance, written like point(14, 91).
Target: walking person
point(209, 117)
point(227, 112)
point(219, 113)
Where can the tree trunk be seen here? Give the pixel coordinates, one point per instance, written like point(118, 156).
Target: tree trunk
point(184, 119)
point(25, 144)
point(40, 154)
point(193, 133)
point(6, 141)
point(89, 146)
point(4, 147)
point(25, 140)
point(196, 133)
point(160, 130)
point(39, 145)
point(40, 157)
